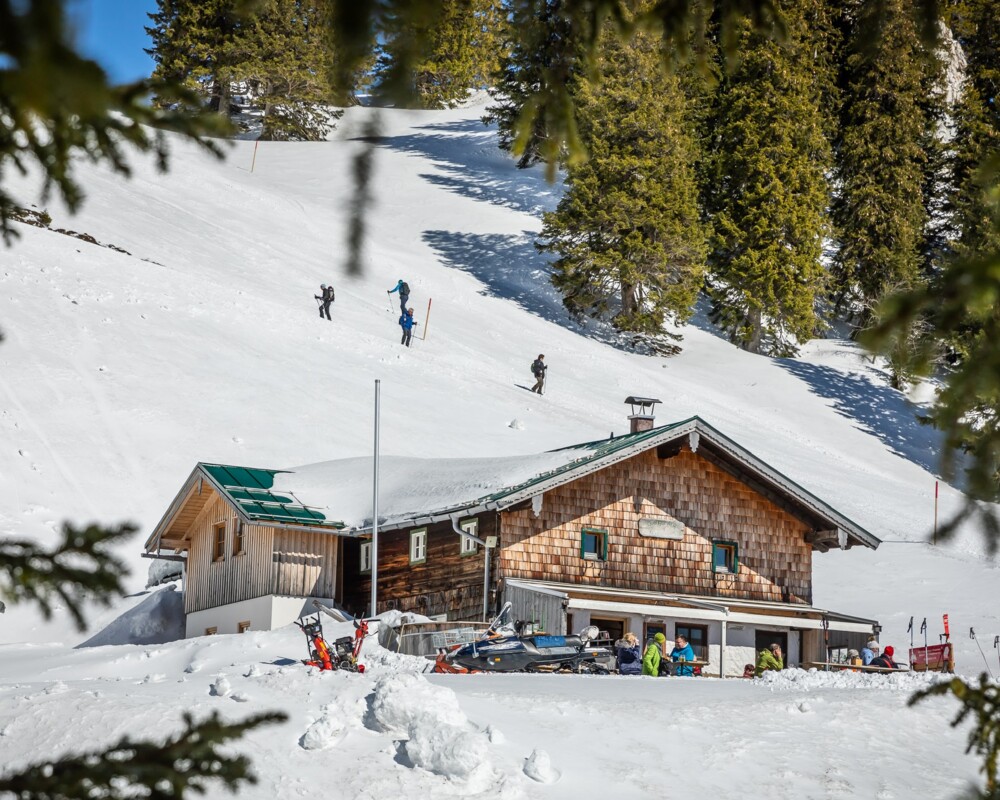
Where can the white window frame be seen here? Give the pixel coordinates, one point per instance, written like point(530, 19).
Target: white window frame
point(467, 547)
point(365, 562)
point(418, 545)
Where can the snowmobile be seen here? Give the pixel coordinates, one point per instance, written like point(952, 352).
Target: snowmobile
point(508, 646)
point(343, 653)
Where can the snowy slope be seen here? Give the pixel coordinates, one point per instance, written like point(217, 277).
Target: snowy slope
point(119, 372)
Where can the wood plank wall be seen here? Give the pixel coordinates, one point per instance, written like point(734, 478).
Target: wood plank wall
point(273, 561)
point(305, 564)
point(775, 563)
point(215, 583)
point(446, 583)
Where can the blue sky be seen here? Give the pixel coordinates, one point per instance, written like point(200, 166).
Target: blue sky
point(111, 32)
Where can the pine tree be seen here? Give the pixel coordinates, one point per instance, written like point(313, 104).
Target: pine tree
point(288, 63)
point(627, 234)
point(448, 54)
point(282, 53)
point(882, 156)
point(766, 192)
point(531, 47)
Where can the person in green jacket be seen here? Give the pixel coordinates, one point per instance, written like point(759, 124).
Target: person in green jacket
point(651, 658)
point(769, 659)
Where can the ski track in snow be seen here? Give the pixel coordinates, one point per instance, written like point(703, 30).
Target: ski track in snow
point(120, 372)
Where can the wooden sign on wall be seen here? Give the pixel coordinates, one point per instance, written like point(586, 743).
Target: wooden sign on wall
point(661, 528)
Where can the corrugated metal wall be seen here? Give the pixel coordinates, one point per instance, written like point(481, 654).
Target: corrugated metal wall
point(545, 609)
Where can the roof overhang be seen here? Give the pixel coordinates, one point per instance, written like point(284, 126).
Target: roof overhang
point(731, 609)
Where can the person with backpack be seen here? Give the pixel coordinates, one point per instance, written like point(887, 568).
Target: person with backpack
point(325, 299)
point(404, 294)
point(406, 323)
point(538, 367)
point(628, 656)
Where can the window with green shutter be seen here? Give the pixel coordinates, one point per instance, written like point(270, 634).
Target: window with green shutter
point(594, 544)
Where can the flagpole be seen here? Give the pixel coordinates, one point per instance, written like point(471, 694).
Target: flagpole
point(374, 609)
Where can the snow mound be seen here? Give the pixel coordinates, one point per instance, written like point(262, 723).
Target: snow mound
point(220, 687)
point(404, 701)
point(449, 750)
point(325, 732)
point(538, 767)
point(156, 620)
point(162, 571)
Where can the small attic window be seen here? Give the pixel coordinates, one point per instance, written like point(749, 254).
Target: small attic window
point(594, 544)
point(366, 557)
point(725, 557)
point(418, 546)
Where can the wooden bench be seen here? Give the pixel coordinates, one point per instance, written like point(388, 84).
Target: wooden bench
point(839, 667)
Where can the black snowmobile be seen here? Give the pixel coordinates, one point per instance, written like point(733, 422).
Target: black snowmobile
point(507, 647)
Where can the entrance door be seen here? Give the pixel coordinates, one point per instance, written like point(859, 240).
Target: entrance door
point(615, 628)
point(764, 639)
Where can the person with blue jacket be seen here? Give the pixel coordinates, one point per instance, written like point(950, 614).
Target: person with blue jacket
point(406, 323)
point(404, 294)
point(628, 655)
point(682, 652)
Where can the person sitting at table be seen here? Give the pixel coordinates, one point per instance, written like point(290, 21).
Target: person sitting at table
point(885, 660)
point(769, 659)
point(682, 652)
point(748, 671)
point(869, 651)
point(651, 658)
point(628, 655)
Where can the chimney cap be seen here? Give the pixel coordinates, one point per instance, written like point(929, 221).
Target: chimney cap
point(642, 401)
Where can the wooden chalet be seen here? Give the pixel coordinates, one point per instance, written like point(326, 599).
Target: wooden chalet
point(675, 529)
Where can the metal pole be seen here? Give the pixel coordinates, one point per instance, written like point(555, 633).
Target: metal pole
point(722, 651)
point(486, 584)
point(253, 163)
point(374, 610)
point(427, 319)
point(935, 510)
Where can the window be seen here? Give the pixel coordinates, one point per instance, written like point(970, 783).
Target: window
point(211, 631)
point(697, 636)
point(219, 541)
point(366, 557)
point(724, 557)
point(418, 546)
point(467, 547)
point(650, 629)
point(594, 545)
point(238, 539)
point(243, 627)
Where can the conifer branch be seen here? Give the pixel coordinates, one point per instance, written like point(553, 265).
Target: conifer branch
point(82, 567)
point(185, 764)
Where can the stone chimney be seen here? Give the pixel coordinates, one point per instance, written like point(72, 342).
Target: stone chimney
point(641, 418)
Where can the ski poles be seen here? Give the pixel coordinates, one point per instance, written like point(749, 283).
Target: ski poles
point(972, 635)
point(909, 630)
point(923, 630)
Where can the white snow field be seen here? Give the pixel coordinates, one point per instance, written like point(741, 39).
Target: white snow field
point(119, 372)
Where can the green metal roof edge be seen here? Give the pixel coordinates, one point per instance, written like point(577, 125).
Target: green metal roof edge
point(257, 516)
point(601, 448)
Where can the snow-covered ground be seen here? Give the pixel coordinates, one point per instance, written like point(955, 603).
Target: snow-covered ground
point(119, 372)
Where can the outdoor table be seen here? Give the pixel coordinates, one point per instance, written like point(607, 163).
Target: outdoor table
point(672, 666)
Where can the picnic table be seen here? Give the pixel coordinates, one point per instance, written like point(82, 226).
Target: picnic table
point(838, 666)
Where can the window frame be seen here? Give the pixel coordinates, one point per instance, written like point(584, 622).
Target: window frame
point(467, 547)
point(724, 545)
point(243, 627)
point(238, 547)
point(684, 629)
point(219, 546)
point(365, 557)
point(602, 534)
point(212, 631)
point(415, 535)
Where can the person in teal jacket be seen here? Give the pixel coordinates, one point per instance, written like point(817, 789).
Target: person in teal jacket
point(682, 652)
point(651, 658)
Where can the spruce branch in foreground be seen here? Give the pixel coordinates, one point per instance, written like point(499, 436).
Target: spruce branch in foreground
point(82, 567)
point(188, 761)
point(983, 703)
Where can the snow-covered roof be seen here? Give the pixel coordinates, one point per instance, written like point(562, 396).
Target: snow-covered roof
point(419, 491)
